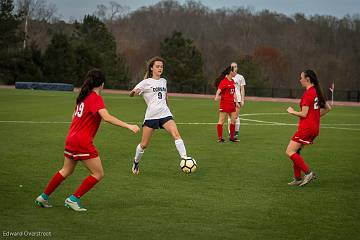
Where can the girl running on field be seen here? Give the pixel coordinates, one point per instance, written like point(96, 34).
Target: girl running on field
point(89, 111)
point(312, 106)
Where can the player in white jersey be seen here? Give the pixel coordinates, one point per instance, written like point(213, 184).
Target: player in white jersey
point(240, 83)
point(158, 115)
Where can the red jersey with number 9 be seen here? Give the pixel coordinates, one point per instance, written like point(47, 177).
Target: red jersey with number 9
point(85, 123)
point(312, 120)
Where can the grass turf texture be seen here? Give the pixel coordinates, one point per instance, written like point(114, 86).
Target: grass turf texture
point(239, 191)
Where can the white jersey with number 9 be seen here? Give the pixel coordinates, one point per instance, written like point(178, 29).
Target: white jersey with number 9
point(154, 93)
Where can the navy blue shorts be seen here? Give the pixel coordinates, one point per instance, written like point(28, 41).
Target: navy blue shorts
point(157, 123)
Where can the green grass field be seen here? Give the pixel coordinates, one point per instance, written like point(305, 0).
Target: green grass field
point(238, 192)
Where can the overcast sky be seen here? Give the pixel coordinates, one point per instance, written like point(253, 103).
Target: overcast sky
point(339, 8)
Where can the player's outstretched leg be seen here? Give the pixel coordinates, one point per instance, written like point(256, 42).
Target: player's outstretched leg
point(138, 154)
point(43, 199)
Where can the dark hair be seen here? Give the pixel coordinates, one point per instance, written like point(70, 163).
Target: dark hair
point(150, 64)
point(314, 80)
point(94, 78)
point(225, 72)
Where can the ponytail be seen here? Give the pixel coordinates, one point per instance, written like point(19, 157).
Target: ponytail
point(225, 72)
point(94, 78)
point(314, 80)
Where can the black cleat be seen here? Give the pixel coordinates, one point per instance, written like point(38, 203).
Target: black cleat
point(221, 140)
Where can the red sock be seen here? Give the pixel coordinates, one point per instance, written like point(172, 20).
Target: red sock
point(297, 171)
point(232, 130)
point(85, 186)
point(219, 131)
point(299, 162)
point(54, 183)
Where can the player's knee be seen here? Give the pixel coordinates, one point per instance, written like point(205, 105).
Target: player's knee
point(98, 175)
point(65, 172)
point(289, 152)
point(176, 135)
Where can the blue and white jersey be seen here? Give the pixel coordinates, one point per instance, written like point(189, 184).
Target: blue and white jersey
point(239, 81)
point(154, 93)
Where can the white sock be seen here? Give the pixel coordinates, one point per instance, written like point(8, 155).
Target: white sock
point(138, 154)
point(179, 143)
point(237, 124)
point(229, 122)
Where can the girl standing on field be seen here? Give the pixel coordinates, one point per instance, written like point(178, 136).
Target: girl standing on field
point(158, 115)
point(312, 106)
point(228, 102)
point(89, 111)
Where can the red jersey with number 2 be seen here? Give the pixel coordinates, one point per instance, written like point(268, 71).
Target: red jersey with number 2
point(85, 123)
point(312, 120)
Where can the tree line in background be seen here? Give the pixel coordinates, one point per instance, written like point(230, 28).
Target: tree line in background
point(196, 42)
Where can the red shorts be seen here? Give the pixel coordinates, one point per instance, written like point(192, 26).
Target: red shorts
point(227, 107)
point(81, 155)
point(305, 136)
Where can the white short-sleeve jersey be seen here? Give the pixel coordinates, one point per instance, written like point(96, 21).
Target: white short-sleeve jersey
point(239, 81)
point(154, 93)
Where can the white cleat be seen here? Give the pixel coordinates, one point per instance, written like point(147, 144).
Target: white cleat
point(295, 182)
point(74, 205)
point(40, 201)
point(135, 168)
point(307, 178)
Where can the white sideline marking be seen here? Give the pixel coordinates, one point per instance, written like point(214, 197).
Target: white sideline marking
point(261, 114)
point(271, 123)
point(256, 123)
point(34, 122)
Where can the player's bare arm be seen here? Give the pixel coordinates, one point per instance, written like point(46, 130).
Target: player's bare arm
point(217, 95)
point(303, 113)
point(115, 121)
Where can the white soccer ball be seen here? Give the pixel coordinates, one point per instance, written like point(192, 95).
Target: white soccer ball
point(188, 165)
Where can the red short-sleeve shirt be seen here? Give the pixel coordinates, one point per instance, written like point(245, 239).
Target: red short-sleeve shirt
point(227, 88)
point(85, 123)
point(312, 120)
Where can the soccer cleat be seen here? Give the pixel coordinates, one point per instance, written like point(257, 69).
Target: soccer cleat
point(221, 140)
point(307, 178)
point(295, 182)
point(135, 168)
point(234, 140)
point(74, 205)
point(236, 134)
point(40, 201)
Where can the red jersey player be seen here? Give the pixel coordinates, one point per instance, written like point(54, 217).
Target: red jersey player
point(89, 111)
point(313, 105)
point(226, 93)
